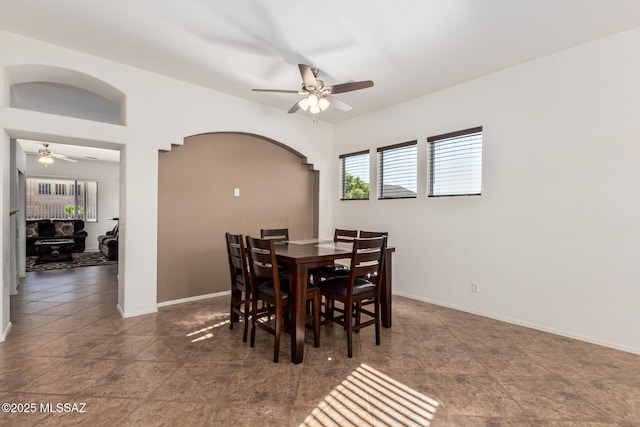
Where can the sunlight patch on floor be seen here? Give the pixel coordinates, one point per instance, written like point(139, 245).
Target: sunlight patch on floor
point(205, 333)
point(368, 397)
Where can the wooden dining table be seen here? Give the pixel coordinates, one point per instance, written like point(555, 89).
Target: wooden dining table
point(299, 257)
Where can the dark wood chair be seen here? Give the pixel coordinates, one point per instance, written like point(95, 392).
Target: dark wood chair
point(240, 307)
point(338, 268)
point(277, 234)
point(362, 284)
point(268, 286)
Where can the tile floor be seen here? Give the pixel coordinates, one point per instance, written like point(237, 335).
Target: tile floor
point(183, 366)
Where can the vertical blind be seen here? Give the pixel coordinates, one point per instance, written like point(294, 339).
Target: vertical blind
point(354, 176)
point(55, 198)
point(397, 171)
point(455, 163)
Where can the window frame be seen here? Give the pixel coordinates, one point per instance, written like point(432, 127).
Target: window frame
point(381, 151)
point(342, 158)
point(44, 188)
point(431, 158)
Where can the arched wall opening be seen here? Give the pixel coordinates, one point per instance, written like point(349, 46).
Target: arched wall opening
point(219, 182)
point(65, 92)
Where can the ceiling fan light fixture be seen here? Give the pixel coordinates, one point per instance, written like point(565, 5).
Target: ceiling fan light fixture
point(304, 104)
point(314, 109)
point(313, 100)
point(323, 103)
point(46, 160)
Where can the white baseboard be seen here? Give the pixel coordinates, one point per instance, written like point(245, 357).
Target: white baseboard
point(191, 299)
point(520, 323)
point(5, 333)
point(140, 313)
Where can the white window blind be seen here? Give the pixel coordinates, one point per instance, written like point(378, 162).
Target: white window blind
point(354, 176)
point(55, 198)
point(455, 163)
point(397, 171)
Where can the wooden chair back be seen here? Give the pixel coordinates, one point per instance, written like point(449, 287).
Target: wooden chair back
point(262, 264)
point(340, 235)
point(238, 266)
point(369, 234)
point(277, 234)
point(366, 259)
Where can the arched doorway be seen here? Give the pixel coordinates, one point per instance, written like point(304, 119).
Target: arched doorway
point(61, 93)
point(221, 182)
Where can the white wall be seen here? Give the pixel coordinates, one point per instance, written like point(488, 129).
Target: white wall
point(554, 239)
point(160, 112)
point(5, 223)
point(108, 176)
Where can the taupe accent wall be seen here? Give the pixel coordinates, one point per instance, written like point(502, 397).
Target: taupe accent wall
point(197, 205)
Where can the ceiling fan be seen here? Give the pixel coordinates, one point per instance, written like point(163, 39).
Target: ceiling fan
point(47, 156)
point(318, 96)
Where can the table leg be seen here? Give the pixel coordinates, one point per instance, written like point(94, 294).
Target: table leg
point(298, 299)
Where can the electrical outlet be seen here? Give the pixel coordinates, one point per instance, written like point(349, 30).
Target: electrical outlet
point(475, 287)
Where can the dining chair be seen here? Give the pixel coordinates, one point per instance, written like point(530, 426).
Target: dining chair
point(277, 234)
point(339, 267)
point(362, 283)
point(240, 282)
point(268, 286)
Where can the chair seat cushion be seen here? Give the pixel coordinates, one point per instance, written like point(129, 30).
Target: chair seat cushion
point(266, 288)
point(339, 285)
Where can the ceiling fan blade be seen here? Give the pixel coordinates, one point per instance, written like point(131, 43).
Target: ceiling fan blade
point(339, 104)
point(293, 109)
point(275, 90)
point(63, 157)
point(348, 87)
point(308, 76)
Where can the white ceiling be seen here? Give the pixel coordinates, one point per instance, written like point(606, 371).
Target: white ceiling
point(407, 47)
point(75, 152)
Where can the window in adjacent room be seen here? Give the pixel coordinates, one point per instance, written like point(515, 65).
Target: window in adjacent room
point(354, 176)
point(455, 163)
point(44, 188)
point(397, 171)
point(70, 199)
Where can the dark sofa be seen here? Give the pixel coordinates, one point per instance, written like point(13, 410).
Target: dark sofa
point(47, 229)
point(108, 244)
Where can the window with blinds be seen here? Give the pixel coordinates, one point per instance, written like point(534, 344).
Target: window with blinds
point(455, 163)
point(354, 176)
point(55, 198)
point(397, 171)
